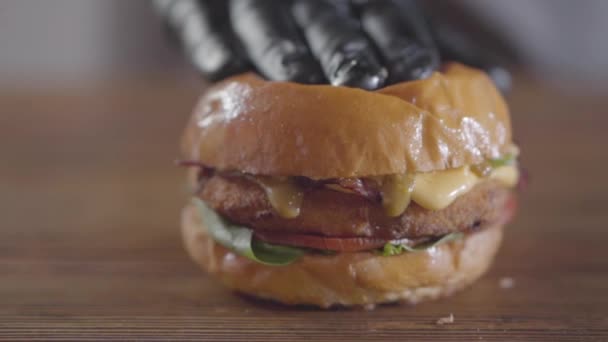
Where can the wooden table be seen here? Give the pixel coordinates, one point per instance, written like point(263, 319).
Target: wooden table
point(90, 246)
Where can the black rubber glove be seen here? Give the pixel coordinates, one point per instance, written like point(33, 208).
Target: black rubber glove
point(358, 43)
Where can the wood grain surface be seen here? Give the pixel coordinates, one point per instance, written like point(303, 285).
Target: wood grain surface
point(90, 246)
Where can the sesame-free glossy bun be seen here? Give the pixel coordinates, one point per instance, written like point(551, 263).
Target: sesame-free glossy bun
point(347, 279)
point(455, 117)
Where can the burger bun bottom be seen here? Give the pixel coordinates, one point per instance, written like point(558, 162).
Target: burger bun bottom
point(347, 279)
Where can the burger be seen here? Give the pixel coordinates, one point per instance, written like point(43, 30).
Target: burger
point(335, 196)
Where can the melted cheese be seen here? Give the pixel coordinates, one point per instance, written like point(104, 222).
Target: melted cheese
point(437, 190)
point(396, 193)
point(284, 196)
point(431, 190)
point(507, 175)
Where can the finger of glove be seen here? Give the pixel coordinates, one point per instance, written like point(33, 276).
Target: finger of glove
point(273, 41)
point(402, 36)
point(206, 39)
point(456, 45)
point(334, 35)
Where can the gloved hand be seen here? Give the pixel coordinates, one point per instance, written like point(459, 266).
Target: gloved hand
point(358, 43)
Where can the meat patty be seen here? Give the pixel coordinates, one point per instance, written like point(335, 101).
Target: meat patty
point(332, 213)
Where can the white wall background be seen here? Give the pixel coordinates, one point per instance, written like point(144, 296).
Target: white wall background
point(72, 40)
point(46, 42)
point(566, 40)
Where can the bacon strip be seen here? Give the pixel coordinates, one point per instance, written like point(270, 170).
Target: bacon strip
point(365, 188)
point(361, 186)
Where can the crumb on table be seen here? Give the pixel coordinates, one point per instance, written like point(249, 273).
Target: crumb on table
point(446, 320)
point(506, 282)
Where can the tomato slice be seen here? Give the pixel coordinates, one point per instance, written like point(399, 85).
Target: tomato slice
point(510, 208)
point(350, 244)
point(338, 244)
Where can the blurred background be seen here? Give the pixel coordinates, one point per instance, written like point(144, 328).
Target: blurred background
point(67, 41)
point(50, 42)
point(94, 97)
point(93, 100)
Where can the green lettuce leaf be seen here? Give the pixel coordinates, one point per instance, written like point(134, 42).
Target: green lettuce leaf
point(241, 241)
point(506, 160)
point(392, 249)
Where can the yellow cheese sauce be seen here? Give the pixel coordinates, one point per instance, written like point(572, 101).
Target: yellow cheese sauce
point(431, 190)
point(284, 196)
point(437, 190)
point(396, 192)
